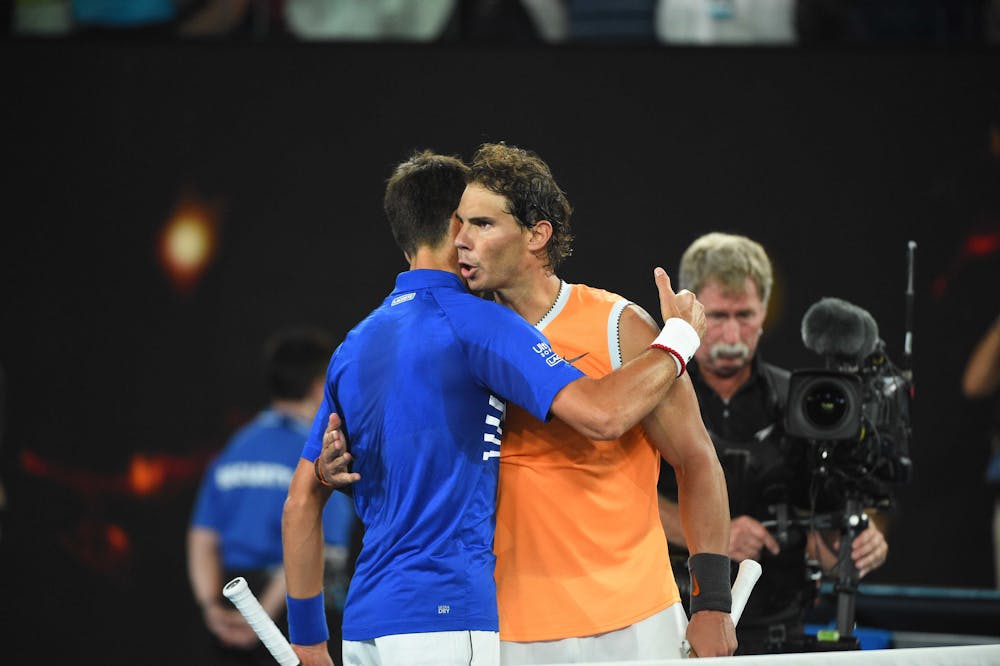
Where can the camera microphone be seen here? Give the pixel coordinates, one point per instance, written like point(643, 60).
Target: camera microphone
point(839, 330)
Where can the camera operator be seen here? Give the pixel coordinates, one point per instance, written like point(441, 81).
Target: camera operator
point(742, 402)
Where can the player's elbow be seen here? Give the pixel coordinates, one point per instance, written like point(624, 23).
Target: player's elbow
point(298, 504)
point(293, 507)
point(606, 423)
point(586, 408)
point(701, 457)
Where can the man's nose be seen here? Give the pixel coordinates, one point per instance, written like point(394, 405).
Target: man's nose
point(731, 330)
point(461, 238)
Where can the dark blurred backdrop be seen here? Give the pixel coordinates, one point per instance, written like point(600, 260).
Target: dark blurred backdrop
point(123, 379)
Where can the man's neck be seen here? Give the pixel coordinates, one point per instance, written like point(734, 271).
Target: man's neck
point(726, 387)
point(532, 297)
point(435, 258)
point(300, 410)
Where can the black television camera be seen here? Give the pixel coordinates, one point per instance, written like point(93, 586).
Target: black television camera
point(853, 420)
point(855, 413)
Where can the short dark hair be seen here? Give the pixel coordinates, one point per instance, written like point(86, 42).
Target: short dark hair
point(527, 183)
point(294, 359)
point(420, 197)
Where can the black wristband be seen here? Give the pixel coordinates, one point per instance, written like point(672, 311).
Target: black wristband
point(710, 583)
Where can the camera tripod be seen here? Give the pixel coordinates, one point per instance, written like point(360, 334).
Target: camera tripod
point(850, 522)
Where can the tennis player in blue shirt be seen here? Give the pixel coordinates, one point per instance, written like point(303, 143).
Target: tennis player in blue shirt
point(420, 387)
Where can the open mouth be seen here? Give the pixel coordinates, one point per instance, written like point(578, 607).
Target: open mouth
point(467, 270)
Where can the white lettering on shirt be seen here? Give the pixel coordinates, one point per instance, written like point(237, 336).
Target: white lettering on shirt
point(253, 475)
point(551, 358)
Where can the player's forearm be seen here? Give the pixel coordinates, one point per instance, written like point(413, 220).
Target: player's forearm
point(204, 565)
point(670, 518)
point(638, 387)
point(700, 519)
point(704, 504)
point(302, 534)
point(606, 408)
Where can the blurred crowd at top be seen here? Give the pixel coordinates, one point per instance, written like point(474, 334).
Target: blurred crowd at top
point(697, 22)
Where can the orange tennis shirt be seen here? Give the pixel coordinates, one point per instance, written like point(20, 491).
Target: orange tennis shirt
point(579, 545)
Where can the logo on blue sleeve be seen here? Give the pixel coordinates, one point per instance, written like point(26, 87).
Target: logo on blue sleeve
point(546, 352)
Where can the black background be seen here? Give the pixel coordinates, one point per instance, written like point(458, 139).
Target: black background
point(833, 159)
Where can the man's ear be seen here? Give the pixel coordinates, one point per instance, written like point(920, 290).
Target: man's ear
point(540, 235)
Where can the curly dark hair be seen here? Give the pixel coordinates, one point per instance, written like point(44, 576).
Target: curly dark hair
point(532, 193)
point(420, 197)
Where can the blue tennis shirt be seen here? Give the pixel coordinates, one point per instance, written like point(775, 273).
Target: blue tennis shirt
point(421, 386)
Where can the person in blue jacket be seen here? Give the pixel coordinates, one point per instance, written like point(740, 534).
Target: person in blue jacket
point(235, 528)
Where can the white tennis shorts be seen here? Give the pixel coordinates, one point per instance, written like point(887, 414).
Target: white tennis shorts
point(659, 636)
point(438, 648)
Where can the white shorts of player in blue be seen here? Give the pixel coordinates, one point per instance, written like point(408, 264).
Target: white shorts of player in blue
point(657, 637)
point(439, 648)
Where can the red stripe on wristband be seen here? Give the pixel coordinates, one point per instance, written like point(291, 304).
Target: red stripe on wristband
point(676, 354)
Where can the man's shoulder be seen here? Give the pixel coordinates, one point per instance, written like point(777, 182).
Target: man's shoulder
point(249, 430)
point(468, 310)
point(453, 298)
point(594, 295)
point(585, 304)
point(269, 432)
point(408, 308)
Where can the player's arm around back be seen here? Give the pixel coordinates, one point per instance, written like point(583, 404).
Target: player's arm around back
point(606, 408)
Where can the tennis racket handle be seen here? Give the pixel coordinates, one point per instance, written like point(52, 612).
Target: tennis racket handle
point(239, 593)
point(746, 578)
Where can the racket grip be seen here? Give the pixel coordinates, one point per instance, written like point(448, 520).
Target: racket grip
point(239, 593)
point(746, 578)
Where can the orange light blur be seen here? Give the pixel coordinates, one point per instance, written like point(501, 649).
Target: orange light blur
point(146, 476)
point(187, 243)
point(117, 539)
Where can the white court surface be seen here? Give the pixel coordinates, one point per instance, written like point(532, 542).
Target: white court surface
point(965, 655)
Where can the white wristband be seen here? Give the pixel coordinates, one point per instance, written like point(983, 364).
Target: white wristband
point(681, 337)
